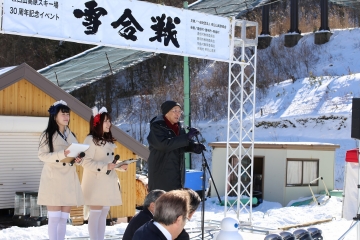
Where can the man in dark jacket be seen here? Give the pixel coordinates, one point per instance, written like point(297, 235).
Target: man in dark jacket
point(171, 212)
point(194, 202)
point(168, 142)
point(144, 215)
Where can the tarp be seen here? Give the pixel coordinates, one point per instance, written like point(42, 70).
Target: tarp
point(351, 191)
point(91, 65)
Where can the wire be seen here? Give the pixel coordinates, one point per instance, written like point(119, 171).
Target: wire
point(248, 5)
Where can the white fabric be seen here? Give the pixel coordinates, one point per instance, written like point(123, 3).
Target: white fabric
point(93, 224)
point(60, 102)
point(86, 212)
point(102, 223)
point(209, 39)
point(163, 230)
point(350, 204)
point(305, 170)
point(53, 222)
point(61, 230)
point(309, 171)
point(294, 169)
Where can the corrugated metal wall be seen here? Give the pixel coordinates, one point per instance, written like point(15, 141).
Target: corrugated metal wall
point(20, 167)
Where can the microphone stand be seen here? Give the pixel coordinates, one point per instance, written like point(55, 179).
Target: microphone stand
point(205, 166)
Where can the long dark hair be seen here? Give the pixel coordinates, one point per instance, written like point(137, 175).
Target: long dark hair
point(99, 136)
point(52, 126)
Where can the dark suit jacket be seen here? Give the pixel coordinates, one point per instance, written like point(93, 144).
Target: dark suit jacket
point(183, 236)
point(149, 231)
point(136, 222)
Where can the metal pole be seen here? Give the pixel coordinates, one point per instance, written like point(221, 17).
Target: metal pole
point(294, 16)
point(187, 114)
point(265, 20)
point(324, 6)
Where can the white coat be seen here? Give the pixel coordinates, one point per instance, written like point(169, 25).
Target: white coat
point(59, 182)
point(99, 189)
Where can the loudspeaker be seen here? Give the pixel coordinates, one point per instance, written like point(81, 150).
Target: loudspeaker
point(355, 118)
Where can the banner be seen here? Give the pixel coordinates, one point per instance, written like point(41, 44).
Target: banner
point(122, 23)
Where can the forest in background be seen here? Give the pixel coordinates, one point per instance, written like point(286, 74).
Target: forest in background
point(161, 77)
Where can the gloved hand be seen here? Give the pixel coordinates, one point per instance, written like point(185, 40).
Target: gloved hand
point(192, 133)
point(198, 148)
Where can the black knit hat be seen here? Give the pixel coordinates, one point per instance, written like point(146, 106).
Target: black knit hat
point(168, 105)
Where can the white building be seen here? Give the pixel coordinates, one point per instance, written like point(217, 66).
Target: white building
point(281, 170)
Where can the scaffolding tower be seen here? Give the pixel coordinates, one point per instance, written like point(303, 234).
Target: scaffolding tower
point(241, 120)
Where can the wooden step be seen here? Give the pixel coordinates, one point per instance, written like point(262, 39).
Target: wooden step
point(77, 216)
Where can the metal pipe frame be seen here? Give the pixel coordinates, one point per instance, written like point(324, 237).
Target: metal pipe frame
point(241, 117)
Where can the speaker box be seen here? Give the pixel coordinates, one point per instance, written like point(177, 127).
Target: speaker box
point(355, 118)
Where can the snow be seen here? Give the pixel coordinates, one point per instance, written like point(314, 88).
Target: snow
point(268, 215)
point(313, 109)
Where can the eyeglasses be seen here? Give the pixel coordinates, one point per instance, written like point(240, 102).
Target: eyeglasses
point(176, 111)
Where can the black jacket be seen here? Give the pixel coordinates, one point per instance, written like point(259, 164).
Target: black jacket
point(183, 236)
point(149, 231)
point(166, 164)
point(136, 222)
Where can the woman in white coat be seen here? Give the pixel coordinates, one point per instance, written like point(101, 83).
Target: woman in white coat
point(59, 187)
point(100, 190)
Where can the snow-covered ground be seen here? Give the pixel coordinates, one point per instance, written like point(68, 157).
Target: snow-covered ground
point(268, 215)
point(319, 110)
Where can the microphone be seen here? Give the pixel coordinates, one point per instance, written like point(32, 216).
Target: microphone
point(188, 128)
point(81, 155)
point(114, 161)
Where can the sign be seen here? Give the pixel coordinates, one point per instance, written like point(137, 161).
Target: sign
point(122, 23)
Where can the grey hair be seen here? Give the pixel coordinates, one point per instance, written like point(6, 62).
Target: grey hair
point(152, 197)
point(170, 206)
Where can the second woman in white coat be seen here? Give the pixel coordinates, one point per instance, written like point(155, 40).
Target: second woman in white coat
point(100, 190)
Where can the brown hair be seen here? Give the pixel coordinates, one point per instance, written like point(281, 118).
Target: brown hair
point(171, 205)
point(194, 199)
point(99, 136)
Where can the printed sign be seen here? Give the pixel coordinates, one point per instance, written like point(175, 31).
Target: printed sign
point(122, 23)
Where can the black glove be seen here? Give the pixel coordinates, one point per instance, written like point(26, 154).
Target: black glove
point(198, 148)
point(192, 133)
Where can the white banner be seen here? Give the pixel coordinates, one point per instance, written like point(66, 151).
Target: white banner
point(123, 24)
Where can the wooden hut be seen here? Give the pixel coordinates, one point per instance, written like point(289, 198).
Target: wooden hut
point(25, 96)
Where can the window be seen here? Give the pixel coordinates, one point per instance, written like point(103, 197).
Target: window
point(300, 172)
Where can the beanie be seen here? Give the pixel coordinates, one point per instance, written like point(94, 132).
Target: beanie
point(168, 105)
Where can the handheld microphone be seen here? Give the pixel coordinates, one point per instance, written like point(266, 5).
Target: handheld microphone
point(188, 128)
point(81, 155)
point(116, 158)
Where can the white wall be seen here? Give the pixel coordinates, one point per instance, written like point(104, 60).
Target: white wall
point(274, 172)
point(326, 170)
point(218, 171)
